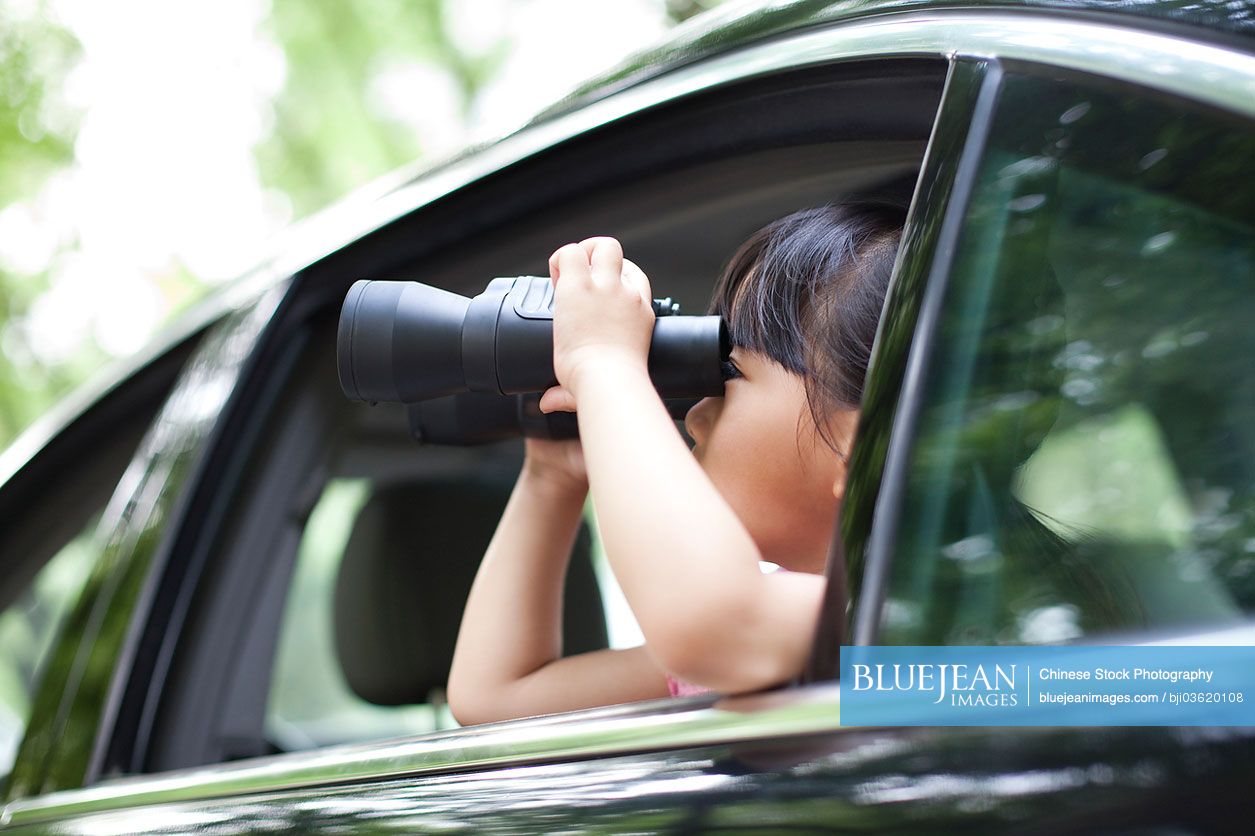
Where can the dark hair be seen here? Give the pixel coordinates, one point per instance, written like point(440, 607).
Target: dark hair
point(807, 291)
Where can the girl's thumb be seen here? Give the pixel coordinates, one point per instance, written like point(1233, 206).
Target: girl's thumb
point(557, 399)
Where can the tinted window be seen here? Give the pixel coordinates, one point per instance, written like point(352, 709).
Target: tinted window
point(1085, 456)
point(27, 629)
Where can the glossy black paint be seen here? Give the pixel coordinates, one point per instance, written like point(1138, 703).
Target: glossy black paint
point(922, 780)
point(75, 696)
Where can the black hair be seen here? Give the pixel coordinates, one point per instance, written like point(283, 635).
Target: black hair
point(807, 291)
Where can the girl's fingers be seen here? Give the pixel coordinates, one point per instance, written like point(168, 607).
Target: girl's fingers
point(635, 277)
point(557, 399)
point(569, 262)
point(599, 260)
point(605, 256)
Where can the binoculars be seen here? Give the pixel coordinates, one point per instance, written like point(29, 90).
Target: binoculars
point(472, 370)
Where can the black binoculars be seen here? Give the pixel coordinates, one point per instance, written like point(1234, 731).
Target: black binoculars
point(471, 370)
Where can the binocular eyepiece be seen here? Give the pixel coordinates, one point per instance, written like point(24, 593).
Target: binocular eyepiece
point(407, 342)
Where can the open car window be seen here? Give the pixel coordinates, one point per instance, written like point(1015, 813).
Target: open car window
point(1082, 460)
point(332, 591)
point(394, 530)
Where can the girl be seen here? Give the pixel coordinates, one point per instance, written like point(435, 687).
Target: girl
point(684, 533)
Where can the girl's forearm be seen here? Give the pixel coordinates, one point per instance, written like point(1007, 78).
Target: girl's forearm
point(512, 622)
point(686, 563)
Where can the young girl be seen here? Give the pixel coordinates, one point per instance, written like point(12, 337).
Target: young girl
point(684, 532)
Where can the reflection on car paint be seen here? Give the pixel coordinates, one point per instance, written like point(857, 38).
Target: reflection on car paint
point(74, 697)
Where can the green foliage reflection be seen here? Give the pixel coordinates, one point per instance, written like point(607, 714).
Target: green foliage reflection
point(1085, 462)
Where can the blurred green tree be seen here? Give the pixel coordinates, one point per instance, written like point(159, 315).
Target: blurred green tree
point(330, 134)
point(327, 138)
point(37, 131)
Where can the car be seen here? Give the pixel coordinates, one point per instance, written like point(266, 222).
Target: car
point(242, 589)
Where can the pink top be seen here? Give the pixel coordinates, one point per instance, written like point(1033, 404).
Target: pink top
point(680, 688)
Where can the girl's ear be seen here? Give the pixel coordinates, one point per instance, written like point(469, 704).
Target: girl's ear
point(838, 483)
point(844, 426)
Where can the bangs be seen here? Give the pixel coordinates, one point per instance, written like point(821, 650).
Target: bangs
point(807, 290)
point(771, 287)
point(758, 317)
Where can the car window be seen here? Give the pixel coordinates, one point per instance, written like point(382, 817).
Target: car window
point(332, 590)
point(51, 507)
point(1084, 462)
point(28, 626)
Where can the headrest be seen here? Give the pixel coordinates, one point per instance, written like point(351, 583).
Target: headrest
point(405, 577)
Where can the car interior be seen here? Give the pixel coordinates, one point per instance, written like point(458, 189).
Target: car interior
point(329, 607)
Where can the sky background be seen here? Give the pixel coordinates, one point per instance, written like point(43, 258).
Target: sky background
point(149, 150)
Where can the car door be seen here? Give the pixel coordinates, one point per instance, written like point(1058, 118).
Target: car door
point(1069, 459)
point(772, 760)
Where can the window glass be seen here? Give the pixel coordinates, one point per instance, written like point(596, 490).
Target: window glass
point(1084, 461)
point(27, 629)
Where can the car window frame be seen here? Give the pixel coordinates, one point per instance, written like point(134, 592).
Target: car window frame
point(871, 514)
point(866, 523)
point(94, 707)
point(119, 405)
point(102, 629)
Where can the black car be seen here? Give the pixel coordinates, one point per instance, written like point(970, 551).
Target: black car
point(242, 589)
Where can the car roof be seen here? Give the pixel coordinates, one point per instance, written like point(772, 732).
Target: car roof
point(737, 24)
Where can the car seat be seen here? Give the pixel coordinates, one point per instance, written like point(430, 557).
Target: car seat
point(407, 570)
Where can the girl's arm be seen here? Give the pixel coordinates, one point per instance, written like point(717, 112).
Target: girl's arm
point(685, 562)
point(687, 565)
point(506, 661)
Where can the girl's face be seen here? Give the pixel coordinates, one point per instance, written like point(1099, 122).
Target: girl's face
point(759, 445)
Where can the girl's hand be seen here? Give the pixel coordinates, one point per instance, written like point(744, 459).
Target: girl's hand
point(603, 317)
point(557, 463)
